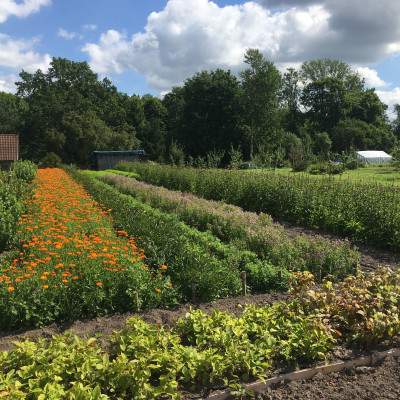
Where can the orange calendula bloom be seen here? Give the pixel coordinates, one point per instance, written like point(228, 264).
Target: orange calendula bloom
point(45, 286)
point(159, 290)
point(11, 288)
point(99, 284)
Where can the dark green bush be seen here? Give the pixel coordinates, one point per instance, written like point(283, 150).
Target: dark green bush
point(51, 160)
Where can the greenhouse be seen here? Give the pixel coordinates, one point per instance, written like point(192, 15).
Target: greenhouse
point(373, 157)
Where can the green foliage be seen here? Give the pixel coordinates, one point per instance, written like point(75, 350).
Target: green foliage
point(246, 231)
point(51, 160)
point(13, 194)
point(24, 170)
point(145, 361)
point(217, 350)
point(396, 158)
point(190, 255)
point(367, 211)
point(260, 83)
point(69, 112)
point(10, 113)
point(363, 308)
point(176, 154)
point(236, 157)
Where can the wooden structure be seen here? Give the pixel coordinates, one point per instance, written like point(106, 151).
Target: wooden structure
point(102, 160)
point(9, 150)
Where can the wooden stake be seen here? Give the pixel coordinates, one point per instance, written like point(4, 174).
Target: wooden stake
point(244, 289)
point(279, 275)
point(319, 274)
point(194, 293)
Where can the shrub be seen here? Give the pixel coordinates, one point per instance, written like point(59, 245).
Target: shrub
point(51, 160)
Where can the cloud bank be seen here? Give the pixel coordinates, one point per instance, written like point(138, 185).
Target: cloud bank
point(20, 9)
point(191, 35)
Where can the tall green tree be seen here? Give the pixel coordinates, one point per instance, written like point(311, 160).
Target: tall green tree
point(11, 107)
point(152, 132)
point(260, 84)
point(316, 70)
point(211, 113)
point(325, 102)
point(292, 116)
point(396, 121)
point(70, 90)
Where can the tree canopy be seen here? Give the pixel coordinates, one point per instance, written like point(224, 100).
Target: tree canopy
point(320, 108)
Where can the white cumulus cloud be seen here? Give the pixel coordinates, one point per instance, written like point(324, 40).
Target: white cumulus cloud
point(371, 77)
point(390, 98)
point(68, 35)
point(20, 8)
point(18, 54)
point(191, 35)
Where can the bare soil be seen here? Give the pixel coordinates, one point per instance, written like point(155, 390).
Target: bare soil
point(378, 382)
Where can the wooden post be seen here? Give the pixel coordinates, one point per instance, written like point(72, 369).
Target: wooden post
point(194, 294)
point(280, 275)
point(319, 274)
point(137, 299)
point(244, 289)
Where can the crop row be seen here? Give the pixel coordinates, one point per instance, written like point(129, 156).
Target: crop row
point(246, 230)
point(14, 189)
point(153, 362)
point(72, 263)
point(192, 256)
point(366, 211)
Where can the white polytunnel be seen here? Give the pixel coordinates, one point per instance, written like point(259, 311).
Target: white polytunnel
point(373, 157)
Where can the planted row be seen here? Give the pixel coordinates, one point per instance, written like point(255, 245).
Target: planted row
point(246, 230)
point(147, 361)
point(14, 190)
point(154, 362)
point(366, 211)
point(192, 256)
point(72, 263)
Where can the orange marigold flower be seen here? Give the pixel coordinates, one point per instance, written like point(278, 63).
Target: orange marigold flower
point(43, 277)
point(65, 280)
point(11, 288)
point(45, 286)
point(159, 290)
point(99, 284)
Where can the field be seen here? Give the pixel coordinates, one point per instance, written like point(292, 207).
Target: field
point(133, 250)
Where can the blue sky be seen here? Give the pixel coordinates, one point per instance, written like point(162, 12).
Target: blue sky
point(150, 46)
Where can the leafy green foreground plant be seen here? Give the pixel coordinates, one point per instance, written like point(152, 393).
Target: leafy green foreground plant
point(145, 361)
point(364, 308)
point(149, 361)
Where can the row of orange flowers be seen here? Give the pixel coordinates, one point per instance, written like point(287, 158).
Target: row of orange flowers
point(66, 234)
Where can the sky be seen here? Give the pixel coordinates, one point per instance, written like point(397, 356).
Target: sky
point(150, 46)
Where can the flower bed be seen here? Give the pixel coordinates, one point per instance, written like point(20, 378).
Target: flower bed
point(73, 264)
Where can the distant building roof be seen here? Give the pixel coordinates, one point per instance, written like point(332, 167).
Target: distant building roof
point(8, 147)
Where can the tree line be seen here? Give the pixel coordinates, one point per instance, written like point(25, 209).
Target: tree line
point(321, 109)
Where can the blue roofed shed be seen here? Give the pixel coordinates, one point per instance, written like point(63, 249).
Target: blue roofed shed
point(103, 160)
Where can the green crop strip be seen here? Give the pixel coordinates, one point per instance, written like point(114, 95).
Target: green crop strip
point(366, 211)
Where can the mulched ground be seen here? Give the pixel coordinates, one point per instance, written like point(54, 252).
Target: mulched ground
point(378, 382)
